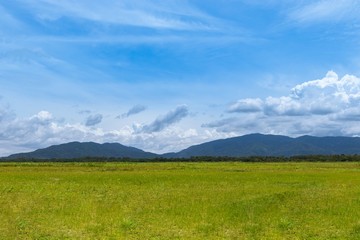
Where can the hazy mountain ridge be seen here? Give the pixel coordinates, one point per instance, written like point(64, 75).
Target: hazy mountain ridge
point(247, 145)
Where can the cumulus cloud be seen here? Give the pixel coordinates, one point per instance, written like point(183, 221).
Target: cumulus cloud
point(350, 114)
point(236, 125)
point(164, 121)
point(318, 97)
point(132, 111)
point(327, 106)
point(43, 117)
point(247, 105)
point(93, 120)
point(5, 113)
point(23, 134)
point(317, 107)
point(42, 130)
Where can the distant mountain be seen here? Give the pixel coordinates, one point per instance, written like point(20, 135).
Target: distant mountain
point(86, 149)
point(272, 145)
point(247, 145)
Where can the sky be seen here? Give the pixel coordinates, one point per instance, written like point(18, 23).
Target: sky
point(162, 75)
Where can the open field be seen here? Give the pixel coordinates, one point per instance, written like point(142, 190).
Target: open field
point(180, 200)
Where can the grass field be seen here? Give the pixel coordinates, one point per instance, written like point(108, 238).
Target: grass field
point(180, 201)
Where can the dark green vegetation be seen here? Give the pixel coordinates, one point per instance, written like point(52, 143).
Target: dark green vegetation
point(244, 146)
point(180, 200)
point(79, 150)
point(274, 145)
point(268, 159)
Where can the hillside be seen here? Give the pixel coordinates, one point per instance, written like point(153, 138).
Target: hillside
point(243, 146)
point(86, 149)
point(273, 145)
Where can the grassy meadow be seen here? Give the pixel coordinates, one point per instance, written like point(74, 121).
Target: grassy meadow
point(180, 200)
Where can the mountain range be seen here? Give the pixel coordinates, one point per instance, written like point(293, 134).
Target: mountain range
point(84, 149)
point(247, 145)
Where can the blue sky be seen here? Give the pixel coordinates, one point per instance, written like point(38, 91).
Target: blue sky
point(165, 74)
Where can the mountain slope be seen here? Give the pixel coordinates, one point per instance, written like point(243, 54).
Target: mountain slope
point(273, 145)
point(86, 149)
point(247, 145)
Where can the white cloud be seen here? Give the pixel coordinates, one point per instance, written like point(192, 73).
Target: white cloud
point(329, 10)
point(283, 106)
point(327, 106)
point(42, 130)
point(42, 117)
point(349, 114)
point(172, 14)
point(6, 113)
point(247, 105)
point(318, 97)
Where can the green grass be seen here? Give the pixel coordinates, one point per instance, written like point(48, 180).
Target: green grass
point(180, 200)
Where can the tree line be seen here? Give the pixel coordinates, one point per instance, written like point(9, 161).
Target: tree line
point(304, 158)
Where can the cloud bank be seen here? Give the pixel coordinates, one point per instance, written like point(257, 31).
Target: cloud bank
point(43, 129)
point(327, 106)
point(324, 107)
